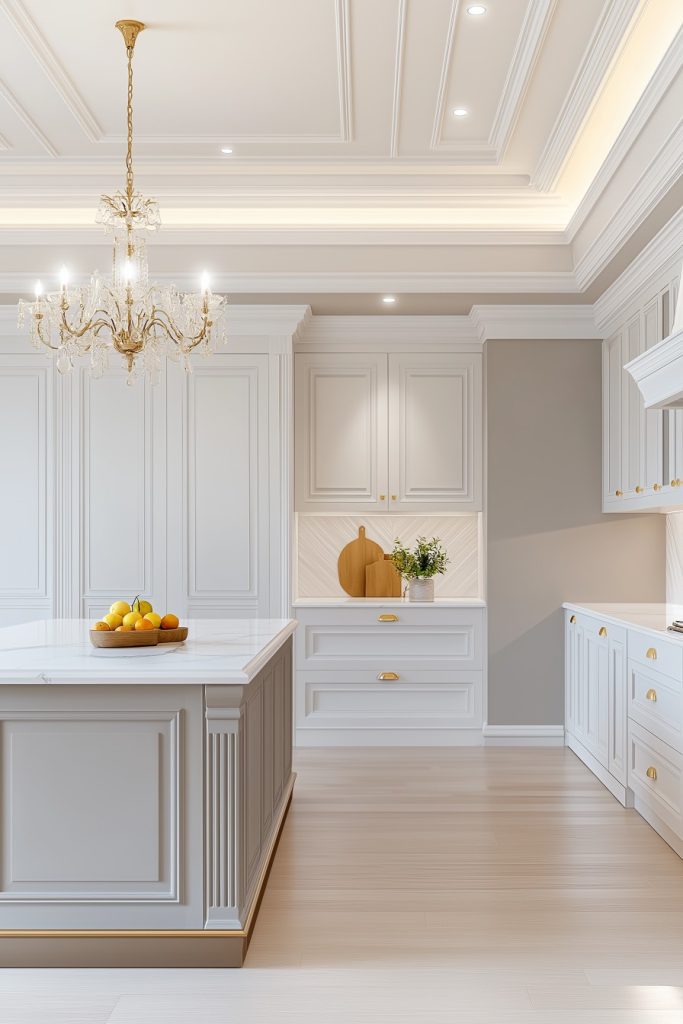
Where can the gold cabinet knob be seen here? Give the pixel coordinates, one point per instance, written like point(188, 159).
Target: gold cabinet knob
point(388, 676)
point(387, 618)
point(619, 494)
point(573, 619)
point(651, 653)
point(382, 497)
point(639, 489)
point(674, 483)
point(602, 631)
point(652, 773)
point(657, 487)
point(393, 497)
point(678, 483)
point(651, 695)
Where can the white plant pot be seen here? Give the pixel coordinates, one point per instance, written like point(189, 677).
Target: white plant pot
point(421, 590)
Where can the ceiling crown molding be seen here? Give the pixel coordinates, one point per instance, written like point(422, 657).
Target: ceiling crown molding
point(536, 23)
point(25, 27)
point(662, 174)
point(35, 130)
point(530, 323)
point(660, 256)
point(603, 48)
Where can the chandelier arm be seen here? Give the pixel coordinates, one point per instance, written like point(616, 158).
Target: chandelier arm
point(162, 319)
point(38, 320)
point(93, 323)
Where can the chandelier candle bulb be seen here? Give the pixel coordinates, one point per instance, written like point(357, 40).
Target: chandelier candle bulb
point(127, 313)
point(38, 289)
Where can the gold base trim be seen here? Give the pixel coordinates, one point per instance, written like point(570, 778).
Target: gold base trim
point(242, 935)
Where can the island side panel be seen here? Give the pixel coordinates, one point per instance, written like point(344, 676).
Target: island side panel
point(101, 807)
point(248, 782)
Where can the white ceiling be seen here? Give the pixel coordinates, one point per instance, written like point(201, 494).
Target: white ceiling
point(340, 117)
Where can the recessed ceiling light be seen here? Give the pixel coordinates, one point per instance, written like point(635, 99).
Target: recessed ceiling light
point(476, 10)
point(389, 299)
point(459, 112)
point(226, 150)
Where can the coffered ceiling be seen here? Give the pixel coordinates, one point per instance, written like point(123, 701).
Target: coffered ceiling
point(348, 158)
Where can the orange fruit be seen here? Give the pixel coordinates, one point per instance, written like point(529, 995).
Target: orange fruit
point(144, 624)
point(101, 625)
point(153, 618)
point(126, 629)
point(119, 629)
point(170, 621)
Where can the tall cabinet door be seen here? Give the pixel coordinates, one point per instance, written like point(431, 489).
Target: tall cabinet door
point(594, 685)
point(616, 648)
point(434, 433)
point(340, 432)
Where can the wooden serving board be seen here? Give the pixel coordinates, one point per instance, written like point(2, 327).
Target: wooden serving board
point(352, 561)
point(381, 579)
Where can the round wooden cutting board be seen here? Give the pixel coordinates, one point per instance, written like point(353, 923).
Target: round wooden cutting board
point(353, 560)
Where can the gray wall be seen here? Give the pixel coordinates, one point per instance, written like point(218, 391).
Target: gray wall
point(548, 541)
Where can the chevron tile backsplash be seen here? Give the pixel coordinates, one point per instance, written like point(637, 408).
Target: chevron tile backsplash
point(321, 538)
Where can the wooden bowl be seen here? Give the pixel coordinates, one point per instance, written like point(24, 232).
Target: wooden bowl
point(131, 638)
point(173, 636)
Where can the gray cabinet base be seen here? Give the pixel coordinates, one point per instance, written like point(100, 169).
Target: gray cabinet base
point(143, 947)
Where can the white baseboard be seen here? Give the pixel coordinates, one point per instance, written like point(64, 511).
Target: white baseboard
point(523, 735)
point(388, 737)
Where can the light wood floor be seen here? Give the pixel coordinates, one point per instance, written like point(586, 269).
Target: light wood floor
point(477, 886)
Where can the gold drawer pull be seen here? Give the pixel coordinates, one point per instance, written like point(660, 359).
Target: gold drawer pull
point(657, 487)
point(573, 619)
point(382, 497)
point(651, 653)
point(652, 773)
point(387, 618)
point(388, 676)
point(639, 489)
point(602, 631)
point(651, 695)
point(619, 494)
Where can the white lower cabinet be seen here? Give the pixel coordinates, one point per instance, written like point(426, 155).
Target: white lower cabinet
point(595, 697)
point(388, 675)
point(633, 681)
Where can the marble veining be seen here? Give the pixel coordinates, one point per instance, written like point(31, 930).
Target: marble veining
point(217, 651)
point(321, 538)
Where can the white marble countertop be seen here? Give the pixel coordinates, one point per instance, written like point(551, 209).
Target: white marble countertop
point(362, 602)
point(651, 618)
point(218, 651)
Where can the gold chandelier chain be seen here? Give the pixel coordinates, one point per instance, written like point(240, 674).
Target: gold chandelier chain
point(129, 111)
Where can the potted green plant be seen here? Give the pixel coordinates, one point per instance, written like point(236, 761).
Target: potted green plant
point(419, 566)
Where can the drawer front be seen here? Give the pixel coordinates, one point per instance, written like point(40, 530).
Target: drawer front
point(658, 655)
point(663, 792)
point(358, 642)
point(357, 700)
point(656, 703)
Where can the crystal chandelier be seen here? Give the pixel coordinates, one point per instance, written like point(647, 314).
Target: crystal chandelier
point(138, 319)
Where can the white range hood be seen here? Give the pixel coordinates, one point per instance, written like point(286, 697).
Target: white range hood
point(659, 371)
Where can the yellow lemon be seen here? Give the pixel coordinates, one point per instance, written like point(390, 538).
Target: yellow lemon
point(131, 618)
point(142, 624)
point(153, 618)
point(113, 620)
point(142, 606)
point(101, 625)
point(120, 608)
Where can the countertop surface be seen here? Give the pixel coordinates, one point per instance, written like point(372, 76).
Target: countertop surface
point(217, 651)
point(652, 618)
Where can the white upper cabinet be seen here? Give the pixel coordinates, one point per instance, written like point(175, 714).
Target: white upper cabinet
point(642, 448)
point(434, 443)
point(340, 424)
point(397, 432)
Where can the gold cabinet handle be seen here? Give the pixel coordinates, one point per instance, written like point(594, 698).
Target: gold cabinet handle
point(651, 695)
point(652, 773)
point(657, 487)
point(651, 653)
point(382, 497)
point(387, 618)
point(388, 676)
point(674, 483)
point(393, 497)
point(678, 483)
point(573, 619)
point(602, 631)
point(639, 489)
point(619, 494)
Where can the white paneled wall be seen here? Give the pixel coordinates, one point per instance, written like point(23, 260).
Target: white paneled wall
point(179, 492)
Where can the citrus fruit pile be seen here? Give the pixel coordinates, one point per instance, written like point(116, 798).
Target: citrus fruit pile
point(124, 618)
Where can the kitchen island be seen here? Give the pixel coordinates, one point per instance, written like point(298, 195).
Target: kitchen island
point(142, 793)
